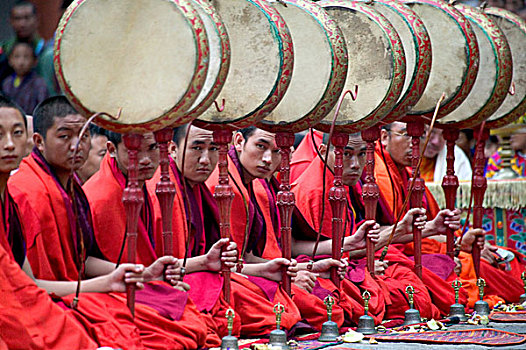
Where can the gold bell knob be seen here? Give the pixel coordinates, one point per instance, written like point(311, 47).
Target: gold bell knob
point(523, 277)
point(456, 286)
point(481, 284)
point(278, 310)
point(230, 314)
point(329, 302)
point(410, 290)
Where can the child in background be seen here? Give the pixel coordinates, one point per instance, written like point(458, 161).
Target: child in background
point(24, 86)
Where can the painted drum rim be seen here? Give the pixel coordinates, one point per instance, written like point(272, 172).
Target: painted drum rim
point(209, 99)
point(504, 66)
point(398, 78)
point(282, 35)
point(472, 66)
point(337, 78)
point(420, 75)
point(166, 119)
point(520, 109)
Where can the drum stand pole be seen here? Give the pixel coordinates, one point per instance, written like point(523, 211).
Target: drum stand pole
point(370, 190)
point(133, 201)
point(478, 187)
point(224, 195)
point(285, 201)
point(450, 184)
point(337, 199)
point(165, 188)
point(416, 129)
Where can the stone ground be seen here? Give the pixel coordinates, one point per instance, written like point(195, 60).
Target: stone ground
point(509, 327)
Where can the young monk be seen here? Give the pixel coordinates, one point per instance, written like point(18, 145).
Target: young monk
point(194, 205)
point(309, 196)
point(253, 159)
point(28, 319)
point(104, 192)
point(397, 150)
point(61, 245)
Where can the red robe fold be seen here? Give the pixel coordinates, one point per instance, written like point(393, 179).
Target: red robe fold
point(493, 276)
point(388, 295)
point(304, 154)
point(28, 317)
point(310, 306)
point(52, 256)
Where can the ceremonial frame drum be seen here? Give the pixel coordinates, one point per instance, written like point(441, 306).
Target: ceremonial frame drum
point(417, 48)
point(219, 62)
point(376, 66)
point(514, 105)
point(146, 58)
point(261, 64)
point(320, 68)
point(494, 75)
point(455, 58)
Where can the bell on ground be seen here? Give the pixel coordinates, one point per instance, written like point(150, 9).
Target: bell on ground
point(329, 329)
point(457, 309)
point(523, 298)
point(412, 315)
point(229, 342)
point(366, 322)
point(481, 307)
point(278, 338)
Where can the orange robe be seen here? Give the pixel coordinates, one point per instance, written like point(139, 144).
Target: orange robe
point(311, 307)
point(49, 234)
point(430, 246)
point(304, 154)
point(28, 317)
point(389, 301)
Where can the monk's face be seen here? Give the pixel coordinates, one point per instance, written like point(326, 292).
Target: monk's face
point(201, 155)
point(13, 139)
point(258, 155)
point(397, 143)
point(95, 155)
point(148, 156)
point(518, 142)
point(353, 160)
point(436, 143)
point(58, 146)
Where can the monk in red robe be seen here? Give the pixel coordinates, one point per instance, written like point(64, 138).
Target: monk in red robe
point(196, 209)
point(396, 158)
point(61, 245)
point(394, 279)
point(29, 319)
point(104, 190)
point(253, 159)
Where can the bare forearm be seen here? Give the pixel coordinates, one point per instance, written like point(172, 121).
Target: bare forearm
point(307, 247)
point(97, 267)
point(63, 288)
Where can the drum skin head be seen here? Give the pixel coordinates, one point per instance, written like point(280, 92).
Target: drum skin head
point(261, 64)
point(514, 29)
point(219, 58)
point(417, 48)
point(111, 55)
point(455, 61)
point(320, 68)
point(494, 75)
point(376, 66)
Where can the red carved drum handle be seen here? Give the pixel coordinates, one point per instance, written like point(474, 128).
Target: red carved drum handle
point(165, 188)
point(285, 202)
point(133, 201)
point(450, 185)
point(224, 195)
point(416, 130)
point(371, 192)
point(337, 199)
